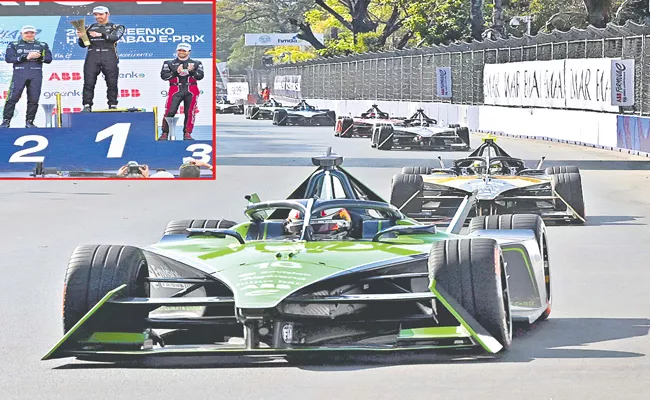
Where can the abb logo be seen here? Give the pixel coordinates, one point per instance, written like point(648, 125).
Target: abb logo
point(66, 76)
point(130, 93)
point(66, 110)
point(4, 94)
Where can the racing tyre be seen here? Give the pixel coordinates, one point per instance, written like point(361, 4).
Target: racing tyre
point(280, 117)
point(179, 227)
point(331, 118)
point(404, 192)
point(384, 137)
point(473, 272)
point(522, 221)
point(416, 170)
point(344, 127)
point(463, 134)
point(569, 187)
point(95, 270)
point(254, 112)
point(561, 170)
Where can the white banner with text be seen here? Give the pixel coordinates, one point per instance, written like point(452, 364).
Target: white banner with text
point(583, 84)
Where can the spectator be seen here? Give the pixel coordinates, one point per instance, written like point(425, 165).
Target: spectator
point(134, 170)
point(161, 173)
point(266, 94)
point(191, 168)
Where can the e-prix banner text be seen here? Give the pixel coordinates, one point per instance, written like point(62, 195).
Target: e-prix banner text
point(148, 41)
point(584, 84)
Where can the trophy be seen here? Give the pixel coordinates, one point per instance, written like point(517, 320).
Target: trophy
point(171, 122)
point(48, 108)
point(80, 24)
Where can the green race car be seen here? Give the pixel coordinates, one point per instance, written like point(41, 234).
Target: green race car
point(333, 268)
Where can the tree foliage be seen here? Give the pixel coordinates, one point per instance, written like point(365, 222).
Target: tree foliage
point(354, 26)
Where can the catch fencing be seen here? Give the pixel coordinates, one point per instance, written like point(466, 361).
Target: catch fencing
point(409, 75)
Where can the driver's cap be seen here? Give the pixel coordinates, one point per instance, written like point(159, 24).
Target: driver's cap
point(184, 46)
point(28, 28)
point(100, 10)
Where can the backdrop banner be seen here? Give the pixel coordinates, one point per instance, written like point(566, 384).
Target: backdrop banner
point(148, 41)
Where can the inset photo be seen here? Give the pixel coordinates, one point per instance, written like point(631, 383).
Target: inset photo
point(107, 90)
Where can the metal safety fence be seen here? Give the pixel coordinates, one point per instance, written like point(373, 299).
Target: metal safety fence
point(409, 75)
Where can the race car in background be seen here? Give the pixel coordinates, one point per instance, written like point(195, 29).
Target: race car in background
point(307, 276)
point(362, 126)
point(419, 132)
point(264, 110)
point(224, 106)
point(303, 114)
point(504, 185)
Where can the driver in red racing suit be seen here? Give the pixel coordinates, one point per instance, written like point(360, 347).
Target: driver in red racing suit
point(183, 74)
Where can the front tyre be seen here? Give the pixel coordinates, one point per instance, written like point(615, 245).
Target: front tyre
point(524, 222)
point(473, 272)
point(95, 270)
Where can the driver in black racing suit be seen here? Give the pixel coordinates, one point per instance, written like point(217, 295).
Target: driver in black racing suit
point(101, 57)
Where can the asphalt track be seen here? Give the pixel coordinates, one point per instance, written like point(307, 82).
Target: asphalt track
point(594, 346)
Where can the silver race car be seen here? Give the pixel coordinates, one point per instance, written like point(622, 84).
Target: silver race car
point(419, 132)
point(303, 114)
point(264, 110)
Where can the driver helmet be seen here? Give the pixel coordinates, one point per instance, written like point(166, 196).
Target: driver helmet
point(326, 225)
point(496, 167)
point(478, 167)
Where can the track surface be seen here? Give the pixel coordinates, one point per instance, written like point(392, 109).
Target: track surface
point(594, 346)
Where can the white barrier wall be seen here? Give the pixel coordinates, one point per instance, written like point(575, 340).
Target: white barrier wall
point(587, 127)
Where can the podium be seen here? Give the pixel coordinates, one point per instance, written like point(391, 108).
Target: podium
point(98, 141)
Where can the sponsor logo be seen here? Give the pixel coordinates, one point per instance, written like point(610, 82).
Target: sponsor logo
point(293, 40)
point(132, 75)
point(287, 333)
point(67, 110)
point(619, 82)
point(264, 39)
point(130, 93)
point(65, 76)
point(72, 93)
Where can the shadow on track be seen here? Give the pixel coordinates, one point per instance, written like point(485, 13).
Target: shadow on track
point(605, 220)
point(542, 340)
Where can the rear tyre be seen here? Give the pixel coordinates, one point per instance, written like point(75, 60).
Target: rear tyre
point(463, 134)
point(280, 117)
point(561, 170)
point(522, 221)
point(473, 272)
point(95, 270)
point(254, 113)
point(344, 127)
point(331, 118)
point(569, 187)
point(404, 192)
point(416, 170)
point(179, 227)
point(384, 137)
